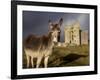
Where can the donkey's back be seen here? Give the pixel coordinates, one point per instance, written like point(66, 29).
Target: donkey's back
point(35, 43)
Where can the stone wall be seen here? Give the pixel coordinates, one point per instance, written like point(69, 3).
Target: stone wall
point(84, 37)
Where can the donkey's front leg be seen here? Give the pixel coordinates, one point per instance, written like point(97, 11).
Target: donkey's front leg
point(38, 62)
point(32, 62)
point(46, 61)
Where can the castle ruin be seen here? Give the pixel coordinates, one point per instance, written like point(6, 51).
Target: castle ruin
point(74, 35)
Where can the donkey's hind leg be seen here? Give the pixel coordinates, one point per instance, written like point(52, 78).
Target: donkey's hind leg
point(28, 58)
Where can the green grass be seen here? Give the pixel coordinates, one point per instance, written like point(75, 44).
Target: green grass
point(67, 56)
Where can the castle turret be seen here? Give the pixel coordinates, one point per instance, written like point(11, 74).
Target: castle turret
point(72, 34)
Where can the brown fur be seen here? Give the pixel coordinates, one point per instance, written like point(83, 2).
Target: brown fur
point(33, 42)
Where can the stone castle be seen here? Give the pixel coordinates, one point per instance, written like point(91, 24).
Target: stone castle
point(74, 35)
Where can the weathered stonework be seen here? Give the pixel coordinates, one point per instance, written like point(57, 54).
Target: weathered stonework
point(72, 34)
point(75, 36)
point(84, 37)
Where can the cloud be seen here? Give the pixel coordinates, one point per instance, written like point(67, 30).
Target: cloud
point(37, 22)
point(84, 21)
point(74, 17)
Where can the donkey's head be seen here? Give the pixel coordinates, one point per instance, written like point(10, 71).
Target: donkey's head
point(55, 30)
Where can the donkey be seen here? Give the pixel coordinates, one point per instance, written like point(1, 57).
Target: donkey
point(42, 47)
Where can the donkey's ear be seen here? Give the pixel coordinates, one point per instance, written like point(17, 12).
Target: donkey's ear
point(60, 21)
point(50, 24)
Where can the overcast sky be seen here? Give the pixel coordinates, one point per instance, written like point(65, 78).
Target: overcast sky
point(37, 22)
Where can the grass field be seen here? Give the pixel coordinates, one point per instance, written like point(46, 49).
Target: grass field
point(66, 56)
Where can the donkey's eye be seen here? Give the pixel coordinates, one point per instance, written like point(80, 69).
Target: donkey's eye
point(52, 31)
point(58, 31)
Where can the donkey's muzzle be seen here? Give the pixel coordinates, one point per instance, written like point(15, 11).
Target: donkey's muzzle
point(55, 43)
